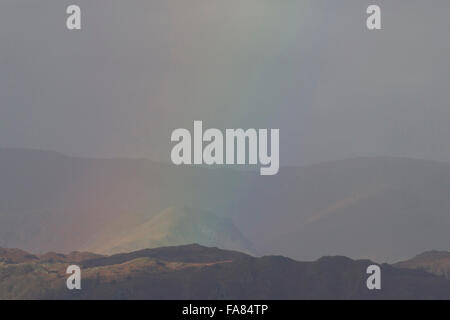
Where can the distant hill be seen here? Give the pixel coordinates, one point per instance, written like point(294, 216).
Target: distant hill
point(436, 262)
point(197, 272)
point(51, 202)
point(177, 226)
point(384, 209)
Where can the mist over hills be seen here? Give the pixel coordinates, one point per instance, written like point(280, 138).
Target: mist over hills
point(50, 202)
point(176, 226)
point(197, 272)
point(385, 209)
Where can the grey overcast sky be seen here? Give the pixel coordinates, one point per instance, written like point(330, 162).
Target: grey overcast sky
point(139, 69)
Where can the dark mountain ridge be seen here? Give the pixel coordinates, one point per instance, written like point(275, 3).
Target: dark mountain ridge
point(197, 272)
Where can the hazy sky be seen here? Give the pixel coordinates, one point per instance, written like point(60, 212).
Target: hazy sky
point(139, 69)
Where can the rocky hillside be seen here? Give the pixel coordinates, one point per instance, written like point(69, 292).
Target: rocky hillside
point(197, 272)
point(436, 262)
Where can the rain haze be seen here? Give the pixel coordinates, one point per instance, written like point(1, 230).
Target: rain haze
point(139, 69)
